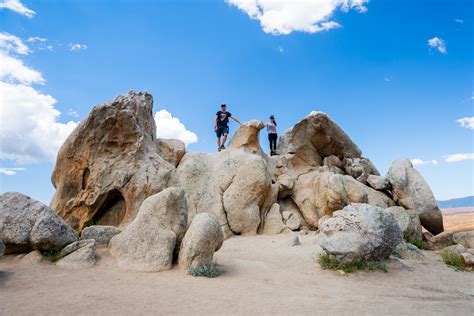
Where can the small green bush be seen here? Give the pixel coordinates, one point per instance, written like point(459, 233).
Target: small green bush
point(208, 271)
point(454, 260)
point(356, 265)
point(420, 244)
point(52, 255)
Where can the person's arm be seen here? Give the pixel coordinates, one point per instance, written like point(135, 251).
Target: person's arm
point(215, 122)
point(235, 119)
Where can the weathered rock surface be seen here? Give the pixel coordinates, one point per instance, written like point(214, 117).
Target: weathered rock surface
point(27, 224)
point(273, 221)
point(101, 234)
point(109, 164)
point(468, 259)
point(79, 255)
point(2, 248)
point(322, 192)
point(440, 241)
point(409, 223)
point(408, 251)
point(360, 168)
point(360, 231)
point(234, 184)
point(76, 246)
point(312, 139)
point(378, 182)
point(149, 242)
point(172, 150)
point(293, 223)
point(203, 237)
point(411, 191)
point(464, 238)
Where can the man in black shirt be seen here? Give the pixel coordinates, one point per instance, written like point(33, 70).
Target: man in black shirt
point(221, 126)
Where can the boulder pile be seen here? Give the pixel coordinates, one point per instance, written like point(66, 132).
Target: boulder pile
point(152, 203)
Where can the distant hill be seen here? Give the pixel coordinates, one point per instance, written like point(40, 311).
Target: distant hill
point(461, 202)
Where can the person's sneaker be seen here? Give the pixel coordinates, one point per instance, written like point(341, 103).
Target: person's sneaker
point(219, 149)
point(222, 147)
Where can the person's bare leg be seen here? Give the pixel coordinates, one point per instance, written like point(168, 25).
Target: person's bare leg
point(224, 139)
point(218, 142)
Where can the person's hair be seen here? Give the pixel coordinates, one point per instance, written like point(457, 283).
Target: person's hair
point(272, 118)
point(223, 105)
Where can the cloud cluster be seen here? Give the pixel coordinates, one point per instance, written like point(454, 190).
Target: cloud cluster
point(459, 157)
point(170, 127)
point(467, 122)
point(18, 7)
point(282, 17)
point(10, 171)
point(30, 131)
point(420, 162)
point(76, 47)
point(437, 43)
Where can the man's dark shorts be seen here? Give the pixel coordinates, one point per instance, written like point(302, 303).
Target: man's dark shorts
point(221, 130)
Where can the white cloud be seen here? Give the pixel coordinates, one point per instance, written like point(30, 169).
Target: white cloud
point(387, 79)
point(459, 21)
point(77, 47)
point(420, 162)
point(459, 157)
point(11, 171)
point(30, 131)
point(14, 70)
point(11, 43)
point(17, 6)
point(36, 39)
point(170, 127)
point(281, 49)
point(438, 44)
point(467, 122)
point(72, 112)
point(286, 16)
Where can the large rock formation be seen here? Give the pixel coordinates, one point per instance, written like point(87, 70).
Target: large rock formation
point(411, 191)
point(202, 239)
point(150, 241)
point(360, 231)
point(27, 224)
point(234, 184)
point(110, 164)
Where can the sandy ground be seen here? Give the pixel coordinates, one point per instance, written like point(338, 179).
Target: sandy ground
point(458, 219)
point(261, 275)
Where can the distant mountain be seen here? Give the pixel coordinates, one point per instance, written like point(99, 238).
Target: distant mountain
point(461, 202)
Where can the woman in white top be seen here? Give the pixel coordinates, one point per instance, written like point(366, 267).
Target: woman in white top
point(272, 134)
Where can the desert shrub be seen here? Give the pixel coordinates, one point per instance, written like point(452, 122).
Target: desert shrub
point(52, 255)
point(208, 271)
point(454, 260)
point(420, 244)
point(355, 265)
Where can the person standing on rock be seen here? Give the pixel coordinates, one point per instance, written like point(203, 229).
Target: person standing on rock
point(272, 134)
point(221, 126)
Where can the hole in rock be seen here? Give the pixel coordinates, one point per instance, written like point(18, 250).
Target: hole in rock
point(112, 210)
point(85, 178)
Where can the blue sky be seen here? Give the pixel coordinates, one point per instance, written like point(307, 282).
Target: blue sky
point(374, 72)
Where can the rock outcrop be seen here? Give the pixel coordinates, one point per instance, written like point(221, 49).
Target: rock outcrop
point(234, 184)
point(110, 164)
point(409, 223)
point(411, 191)
point(101, 234)
point(78, 255)
point(27, 224)
point(360, 231)
point(203, 237)
point(172, 150)
point(149, 242)
point(273, 221)
point(322, 170)
point(464, 238)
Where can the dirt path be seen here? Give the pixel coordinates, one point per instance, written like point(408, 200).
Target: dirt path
point(261, 275)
